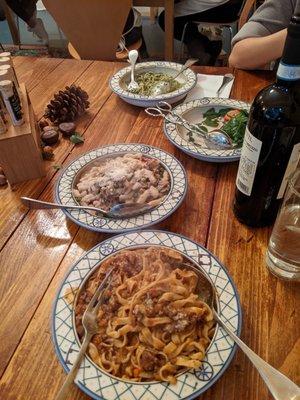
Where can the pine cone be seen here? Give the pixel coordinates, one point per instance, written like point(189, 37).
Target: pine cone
point(67, 105)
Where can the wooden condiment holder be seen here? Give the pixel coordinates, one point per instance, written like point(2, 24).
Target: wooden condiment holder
point(20, 151)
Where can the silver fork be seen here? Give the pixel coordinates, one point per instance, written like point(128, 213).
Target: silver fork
point(89, 322)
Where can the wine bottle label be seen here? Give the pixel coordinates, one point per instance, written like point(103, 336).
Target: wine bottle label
point(12, 101)
point(291, 167)
point(288, 72)
point(248, 163)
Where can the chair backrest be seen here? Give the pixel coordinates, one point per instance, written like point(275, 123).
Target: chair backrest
point(245, 11)
point(94, 27)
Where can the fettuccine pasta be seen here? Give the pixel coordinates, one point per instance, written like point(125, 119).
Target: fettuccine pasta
point(152, 324)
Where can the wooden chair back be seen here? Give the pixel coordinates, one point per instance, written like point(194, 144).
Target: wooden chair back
point(94, 27)
point(245, 11)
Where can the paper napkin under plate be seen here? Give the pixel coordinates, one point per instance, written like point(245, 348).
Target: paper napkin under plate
point(207, 86)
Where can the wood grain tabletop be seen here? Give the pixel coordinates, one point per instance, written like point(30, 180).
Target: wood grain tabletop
point(38, 247)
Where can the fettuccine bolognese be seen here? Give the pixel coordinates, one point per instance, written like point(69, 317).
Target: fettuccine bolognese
point(152, 323)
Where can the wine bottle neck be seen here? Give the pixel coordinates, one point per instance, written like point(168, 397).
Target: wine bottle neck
point(289, 66)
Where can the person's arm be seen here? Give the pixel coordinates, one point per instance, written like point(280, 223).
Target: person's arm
point(261, 39)
point(257, 52)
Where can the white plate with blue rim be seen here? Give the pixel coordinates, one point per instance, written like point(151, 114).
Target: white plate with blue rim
point(194, 112)
point(120, 80)
point(178, 188)
point(99, 384)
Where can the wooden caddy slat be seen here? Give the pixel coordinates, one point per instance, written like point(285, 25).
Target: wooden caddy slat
point(20, 151)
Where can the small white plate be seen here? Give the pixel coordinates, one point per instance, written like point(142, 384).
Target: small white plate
point(119, 81)
point(193, 111)
point(99, 384)
point(178, 179)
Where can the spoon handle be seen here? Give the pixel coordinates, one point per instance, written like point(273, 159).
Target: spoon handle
point(281, 387)
point(132, 56)
point(132, 73)
point(39, 204)
point(188, 64)
point(123, 210)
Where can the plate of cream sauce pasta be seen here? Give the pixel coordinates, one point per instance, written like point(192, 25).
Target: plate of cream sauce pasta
point(129, 178)
point(122, 173)
point(156, 337)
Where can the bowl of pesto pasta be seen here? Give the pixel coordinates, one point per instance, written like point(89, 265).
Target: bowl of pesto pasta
point(148, 75)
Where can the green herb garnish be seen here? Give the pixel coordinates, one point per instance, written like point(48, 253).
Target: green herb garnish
point(211, 113)
point(76, 138)
point(57, 167)
point(235, 128)
point(213, 122)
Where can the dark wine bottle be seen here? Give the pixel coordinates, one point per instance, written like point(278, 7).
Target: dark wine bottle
point(271, 147)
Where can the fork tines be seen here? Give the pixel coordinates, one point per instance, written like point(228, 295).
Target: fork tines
point(99, 292)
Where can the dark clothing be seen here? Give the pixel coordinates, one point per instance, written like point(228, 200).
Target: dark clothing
point(131, 33)
point(23, 8)
point(224, 13)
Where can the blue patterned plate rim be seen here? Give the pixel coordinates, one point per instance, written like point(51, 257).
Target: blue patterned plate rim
point(114, 81)
point(177, 140)
point(130, 148)
point(198, 392)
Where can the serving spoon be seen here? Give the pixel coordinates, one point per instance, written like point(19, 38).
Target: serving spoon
point(281, 387)
point(132, 58)
point(165, 87)
point(122, 210)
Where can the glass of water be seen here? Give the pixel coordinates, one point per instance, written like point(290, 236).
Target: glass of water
point(283, 254)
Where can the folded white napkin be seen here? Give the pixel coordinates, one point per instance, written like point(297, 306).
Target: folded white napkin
point(207, 86)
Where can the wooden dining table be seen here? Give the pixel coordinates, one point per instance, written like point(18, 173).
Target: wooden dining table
point(39, 246)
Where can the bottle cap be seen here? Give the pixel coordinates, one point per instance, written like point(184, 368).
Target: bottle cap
point(5, 54)
point(6, 88)
point(7, 73)
point(4, 60)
